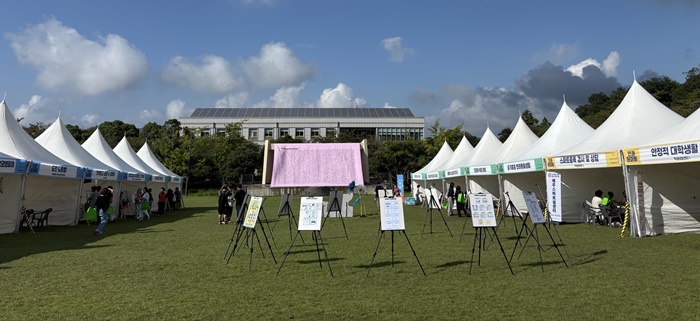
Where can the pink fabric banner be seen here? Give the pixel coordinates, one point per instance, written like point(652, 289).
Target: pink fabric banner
point(317, 165)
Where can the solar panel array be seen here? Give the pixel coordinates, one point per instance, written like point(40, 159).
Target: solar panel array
point(300, 112)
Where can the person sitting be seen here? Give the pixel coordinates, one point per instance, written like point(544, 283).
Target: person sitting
point(608, 200)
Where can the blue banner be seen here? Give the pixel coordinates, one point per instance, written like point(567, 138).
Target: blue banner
point(399, 182)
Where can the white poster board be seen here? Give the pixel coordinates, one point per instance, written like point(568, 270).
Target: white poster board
point(251, 217)
point(310, 213)
point(391, 212)
point(533, 208)
point(483, 214)
point(554, 196)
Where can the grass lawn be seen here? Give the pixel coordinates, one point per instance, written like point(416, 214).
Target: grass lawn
point(173, 267)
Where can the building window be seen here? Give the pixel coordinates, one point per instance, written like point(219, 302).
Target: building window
point(330, 132)
point(284, 132)
point(299, 133)
point(315, 132)
point(205, 133)
point(253, 134)
point(269, 133)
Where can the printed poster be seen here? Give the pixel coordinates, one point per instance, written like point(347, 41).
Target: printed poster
point(533, 208)
point(251, 217)
point(483, 214)
point(391, 212)
point(554, 196)
point(310, 214)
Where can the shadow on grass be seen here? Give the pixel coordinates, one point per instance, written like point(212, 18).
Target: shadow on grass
point(451, 264)
point(61, 238)
point(378, 264)
point(590, 258)
point(323, 260)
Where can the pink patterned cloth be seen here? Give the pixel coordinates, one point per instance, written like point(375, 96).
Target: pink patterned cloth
point(317, 165)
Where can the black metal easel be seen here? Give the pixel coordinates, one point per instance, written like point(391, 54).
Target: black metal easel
point(316, 235)
point(334, 206)
point(249, 233)
point(433, 202)
point(286, 210)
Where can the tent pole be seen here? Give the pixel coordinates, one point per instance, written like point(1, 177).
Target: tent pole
point(80, 197)
point(21, 199)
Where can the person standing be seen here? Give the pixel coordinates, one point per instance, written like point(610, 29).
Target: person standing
point(146, 204)
point(461, 201)
point(450, 198)
point(239, 196)
point(170, 196)
point(178, 198)
point(223, 203)
point(161, 201)
point(102, 204)
point(136, 198)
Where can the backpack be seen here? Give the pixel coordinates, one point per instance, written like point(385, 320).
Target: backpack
point(461, 198)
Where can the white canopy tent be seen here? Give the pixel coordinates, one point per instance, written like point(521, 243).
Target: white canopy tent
point(450, 165)
point(52, 182)
point(519, 140)
point(148, 157)
point(12, 175)
point(595, 162)
point(127, 154)
point(527, 171)
point(668, 170)
point(487, 147)
point(132, 178)
point(442, 155)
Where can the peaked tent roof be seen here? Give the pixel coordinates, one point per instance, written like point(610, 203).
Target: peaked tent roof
point(126, 153)
point(443, 154)
point(519, 140)
point(97, 146)
point(567, 130)
point(638, 119)
point(487, 146)
point(463, 150)
point(151, 160)
point(17, 143)
point(687, 130)
point(61, 143)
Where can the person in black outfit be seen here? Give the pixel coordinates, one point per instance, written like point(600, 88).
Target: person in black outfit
point(102, 204)
point(239, 196)
point(450, 198)
point(223, 203)
point(461, 198)
point(170, 196)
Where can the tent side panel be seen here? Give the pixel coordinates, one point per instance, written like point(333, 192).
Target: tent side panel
point(9, 202)
point(61, 194)
point(578, 185)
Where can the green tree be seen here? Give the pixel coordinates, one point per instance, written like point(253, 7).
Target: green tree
point(114, 131)
point(504, 134)
point(686, 98)
point(36, 129)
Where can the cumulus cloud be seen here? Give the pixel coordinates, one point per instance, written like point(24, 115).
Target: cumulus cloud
point(395, 49)
point(238, 100)
point(277, 66)
point(608, 67)
point(210, 74)
point(89, 120)
point(176, 108)
point(33, 111)
point(149, 115)
point(65, 60)
point(387, 105)
point(339, 97)
point(285, 97)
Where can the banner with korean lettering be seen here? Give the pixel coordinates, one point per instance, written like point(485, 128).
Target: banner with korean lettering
point(42, 169)
point(554, 196)
point(532, 165)
point(456, 172)
point(136, 177)
point(16, 166)
point(433, 175)
point(592, 160)
point(417, 176)
point(667, 153)
point(108, 175)
point(482, 170)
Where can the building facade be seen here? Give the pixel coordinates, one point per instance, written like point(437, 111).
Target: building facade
point(259, 124)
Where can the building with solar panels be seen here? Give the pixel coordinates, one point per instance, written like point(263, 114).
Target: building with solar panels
point(259, 124)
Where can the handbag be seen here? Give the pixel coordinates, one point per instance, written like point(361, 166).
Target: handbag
point(91, 214)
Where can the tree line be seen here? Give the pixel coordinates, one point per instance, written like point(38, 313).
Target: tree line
point(223, 157)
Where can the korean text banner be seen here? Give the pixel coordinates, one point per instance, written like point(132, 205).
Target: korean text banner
point(592, 160)
point(669, 153)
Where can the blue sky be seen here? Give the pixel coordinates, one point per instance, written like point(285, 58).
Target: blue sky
point(470, 62)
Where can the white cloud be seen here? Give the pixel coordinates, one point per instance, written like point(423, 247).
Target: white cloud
point(89, 120)
point(387, 105)
point(561, 52)
point(211, 74)
point(238, 100)
point(340, 96)
point(65, 60)
point(285, 97)
point(149, 115)
point(609, 66)
point(33, 111)
point(277, 67)
point(176, 108)
point(395, 49)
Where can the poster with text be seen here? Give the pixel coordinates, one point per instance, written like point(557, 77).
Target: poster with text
point(533, 207)
point(554, 196)
point(391, 211)
point(310, 213)
point(251, 217)
point(483, 214)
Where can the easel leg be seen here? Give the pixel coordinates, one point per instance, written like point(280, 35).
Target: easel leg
point(259, 244)
point(294, 219)
point(425, 221)
point(502, 251)
point(318, 250)
point(463, 228)
point(250, 245)
point(445, 221)
point(375, 254)
point(414, 253)
point(517, 241)
point(272, 236)
point(539, 248)
point(480, 246)
point(287, 254)
point(238, 238)
point(471, 261)
point(556, 247)
point(562, 243)
point(392, 249)
point(326, 252)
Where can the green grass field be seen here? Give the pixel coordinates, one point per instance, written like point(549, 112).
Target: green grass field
point(173, 268)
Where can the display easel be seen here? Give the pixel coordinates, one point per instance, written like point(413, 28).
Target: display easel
point(433, 203)
point(239, 222)
point(537, 218)
point(286, 210)
point(391, 212)
point(554, 224)
point(513, 213)
point(310, 214)
point(334, 206)
point(484, 218)
point(250, 222)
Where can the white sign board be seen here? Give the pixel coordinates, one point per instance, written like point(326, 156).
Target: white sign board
point(533, 208)
point(483, 214)
point(391, 212)
point(310, 214)
point(554, 196)
point(251, 217)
